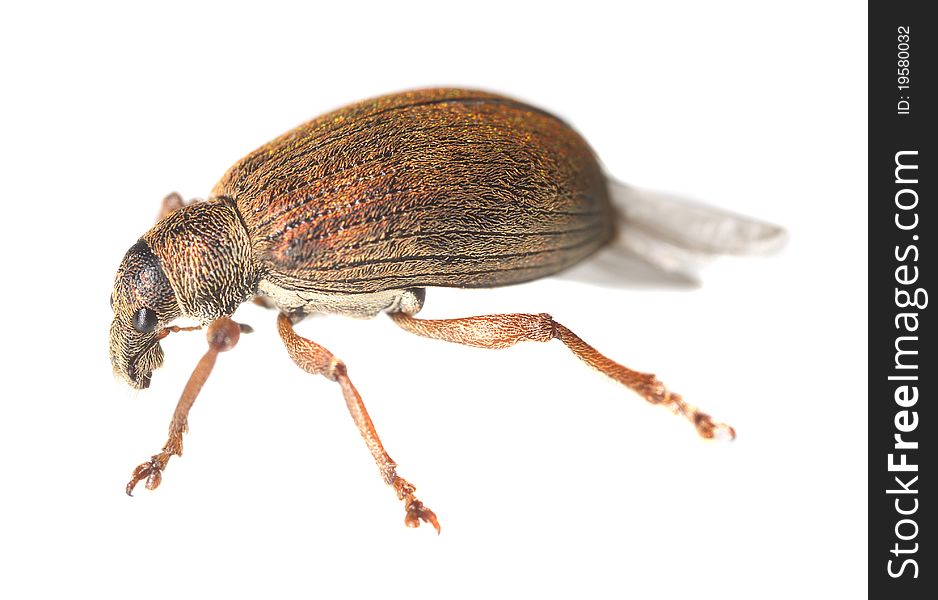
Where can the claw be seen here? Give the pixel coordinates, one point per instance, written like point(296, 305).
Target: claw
point(711, 430)
point(706, 427)
point(417, 512)
point(724, 433)
point(151, 470)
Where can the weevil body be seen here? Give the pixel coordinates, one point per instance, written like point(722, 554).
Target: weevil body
point(355, 213)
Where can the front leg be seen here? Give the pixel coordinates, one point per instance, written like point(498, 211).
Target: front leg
point(316, 360)
point(222, 336)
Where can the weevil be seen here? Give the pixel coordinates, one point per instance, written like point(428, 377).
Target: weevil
point(356, 213)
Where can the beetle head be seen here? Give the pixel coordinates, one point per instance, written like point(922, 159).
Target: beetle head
point(196, 262)
point(143, 302)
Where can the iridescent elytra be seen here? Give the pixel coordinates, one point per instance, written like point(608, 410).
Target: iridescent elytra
point(356, 213)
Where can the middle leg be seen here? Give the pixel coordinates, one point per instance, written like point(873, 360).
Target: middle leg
point(316, 360)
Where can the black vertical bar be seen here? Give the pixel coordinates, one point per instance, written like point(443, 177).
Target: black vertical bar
point(902, 373)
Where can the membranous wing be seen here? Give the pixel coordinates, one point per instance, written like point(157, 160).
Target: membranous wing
point(665, 238)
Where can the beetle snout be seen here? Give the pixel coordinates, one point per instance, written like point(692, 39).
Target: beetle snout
point(134, 356)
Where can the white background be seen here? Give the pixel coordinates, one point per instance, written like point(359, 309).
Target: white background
point(549, 480)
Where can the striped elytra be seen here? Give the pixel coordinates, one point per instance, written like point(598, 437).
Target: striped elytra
point(439, 187)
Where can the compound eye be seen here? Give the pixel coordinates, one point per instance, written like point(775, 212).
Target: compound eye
point(145, 320)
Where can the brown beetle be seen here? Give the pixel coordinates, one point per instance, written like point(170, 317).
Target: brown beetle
point(357, 211)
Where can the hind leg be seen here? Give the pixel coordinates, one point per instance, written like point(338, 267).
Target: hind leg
point(502, 331)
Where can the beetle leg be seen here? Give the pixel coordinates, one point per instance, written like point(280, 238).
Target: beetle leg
point(222, 336)
point(502, 331)
point(314, 359)
point(264, 302)
point(172, 202)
